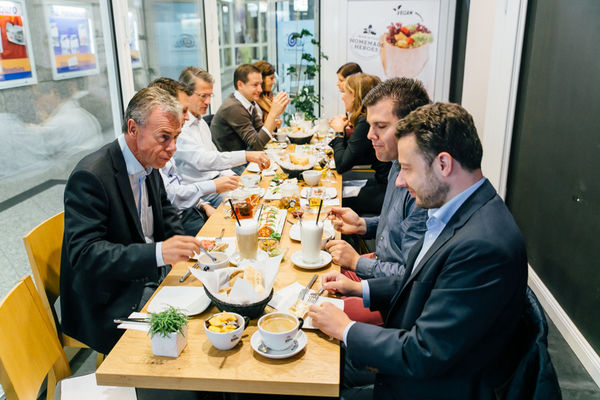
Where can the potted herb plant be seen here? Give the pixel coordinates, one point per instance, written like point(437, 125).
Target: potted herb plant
point(168, 332)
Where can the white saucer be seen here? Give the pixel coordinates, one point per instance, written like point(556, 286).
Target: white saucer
point(323, 260)
point(260, 255)
point(277, 354)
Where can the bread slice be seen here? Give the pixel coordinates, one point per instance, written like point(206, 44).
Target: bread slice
point(255, 278)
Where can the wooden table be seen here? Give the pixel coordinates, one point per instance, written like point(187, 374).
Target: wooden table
point(315, 371)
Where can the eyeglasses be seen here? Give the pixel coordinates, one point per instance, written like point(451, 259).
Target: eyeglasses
point(204, 96)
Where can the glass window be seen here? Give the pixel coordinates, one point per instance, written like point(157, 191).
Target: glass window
point(167, 37)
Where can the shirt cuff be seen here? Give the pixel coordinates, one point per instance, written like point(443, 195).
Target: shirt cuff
point(238, 158)
point(345, 335)
point(159, 259)
point(366, 295)
point(206, 187)
point(268, 133)
point(364, 267)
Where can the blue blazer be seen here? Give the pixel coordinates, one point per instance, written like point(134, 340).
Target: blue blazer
point(105, 261)
point(449, 321)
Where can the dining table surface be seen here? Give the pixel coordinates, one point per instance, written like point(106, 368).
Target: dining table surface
point(314, 371)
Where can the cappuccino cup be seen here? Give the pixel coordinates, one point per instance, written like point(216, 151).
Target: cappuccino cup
point(279, 329)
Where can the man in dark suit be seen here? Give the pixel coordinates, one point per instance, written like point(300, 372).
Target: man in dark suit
point(450, 318)
point(238, 124)
point(120, 228)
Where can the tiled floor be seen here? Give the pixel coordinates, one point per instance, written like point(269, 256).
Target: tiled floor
point(16, 221)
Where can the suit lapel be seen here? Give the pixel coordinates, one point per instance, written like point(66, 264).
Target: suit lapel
point(124, 185)
point(460, 218)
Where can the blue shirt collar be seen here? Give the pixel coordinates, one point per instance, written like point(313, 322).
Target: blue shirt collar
point(445, 212)
point(133, 165)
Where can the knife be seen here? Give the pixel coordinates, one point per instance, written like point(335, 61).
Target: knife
point(187, 273)
point(305, 290)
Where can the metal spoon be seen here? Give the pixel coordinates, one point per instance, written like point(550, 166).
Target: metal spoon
point(212, 258)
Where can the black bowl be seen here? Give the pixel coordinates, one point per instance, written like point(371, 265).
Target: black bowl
point(300, 140)
point(294, 173)
point(251, 311)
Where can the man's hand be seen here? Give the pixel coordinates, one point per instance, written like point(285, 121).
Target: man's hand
point(258, 157)
point(280, 102)
point(338, 123)
point(346, 221)
point(329, 319)
point(208, 209)
point(226, 183)
point(336, 282)
point(179, 248)
point(343, 254)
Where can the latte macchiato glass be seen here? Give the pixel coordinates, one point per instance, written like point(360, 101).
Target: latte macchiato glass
point(247, 238)
point(311, 234)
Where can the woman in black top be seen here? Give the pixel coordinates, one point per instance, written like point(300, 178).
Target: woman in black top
point(355, 148)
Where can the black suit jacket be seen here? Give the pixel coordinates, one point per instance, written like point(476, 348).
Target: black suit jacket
point(449, 322)
point(105, 261)
point(233, 128)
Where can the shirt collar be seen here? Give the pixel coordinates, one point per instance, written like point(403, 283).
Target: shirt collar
point(445, 212)
point(133, 165)
point(192, 121)
point(245, 102)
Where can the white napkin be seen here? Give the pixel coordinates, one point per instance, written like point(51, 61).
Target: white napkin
point(326, 203)
point(242, 292)
point(136, 326)
point(352, 188)
point(283, 299)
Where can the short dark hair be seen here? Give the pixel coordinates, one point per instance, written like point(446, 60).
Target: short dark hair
point(189, 74)
point(440, 127)
point(143, 102)
point(406, 93)
point(348, 69)
point(171, 86)
point(241, 73)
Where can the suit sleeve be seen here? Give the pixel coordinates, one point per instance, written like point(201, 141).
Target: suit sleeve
point(92, 256)
point(352, 151)
point(471, 291)
point(242, 125)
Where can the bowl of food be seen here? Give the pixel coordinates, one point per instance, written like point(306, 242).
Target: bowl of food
point(252, 310)
point(300, 137)
point(206, 264)
point(294, 164)
point(224, 330)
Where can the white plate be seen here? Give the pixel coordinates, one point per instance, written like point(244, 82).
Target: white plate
point(260, 255)
point(330, 192)
point(278, 354)
point(191, 300)
point(327, 230)
point(323, 260)
point(253, 167)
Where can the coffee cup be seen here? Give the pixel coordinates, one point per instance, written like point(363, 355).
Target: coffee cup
point(311, 234)
point(247, 238)
point(228, 339)
point(278, 329)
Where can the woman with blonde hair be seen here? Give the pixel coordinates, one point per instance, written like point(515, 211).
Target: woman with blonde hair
point(357, 149)
point(266, 97)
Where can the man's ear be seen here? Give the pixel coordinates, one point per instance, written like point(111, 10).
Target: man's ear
point(132, 127)
point(445, 163)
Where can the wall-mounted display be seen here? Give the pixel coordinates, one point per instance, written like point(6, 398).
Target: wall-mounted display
point(17, 67)
point(396, 38)
point(71, 39)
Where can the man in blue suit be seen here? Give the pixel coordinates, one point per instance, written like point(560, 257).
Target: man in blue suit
point(450, 318)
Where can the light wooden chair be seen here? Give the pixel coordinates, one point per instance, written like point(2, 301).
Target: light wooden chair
point(43, 245)
point(30, 351)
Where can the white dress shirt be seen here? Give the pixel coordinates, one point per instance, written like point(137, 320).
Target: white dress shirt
point(197, 158)
point(181, 195)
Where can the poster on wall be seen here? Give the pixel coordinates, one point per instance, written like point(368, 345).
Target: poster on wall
point(134, 42)
point(396, 38)
point(71, 40)
point(17, 67)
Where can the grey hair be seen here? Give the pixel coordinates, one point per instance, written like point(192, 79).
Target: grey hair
point(189, 74)
point(145, 101)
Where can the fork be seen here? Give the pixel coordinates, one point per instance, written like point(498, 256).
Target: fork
point(312, 299)
point(305, 290)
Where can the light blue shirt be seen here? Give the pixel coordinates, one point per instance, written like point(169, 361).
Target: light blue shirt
point(437, 221)
point(137, 176)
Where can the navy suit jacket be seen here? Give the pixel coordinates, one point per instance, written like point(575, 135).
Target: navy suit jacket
point(105, 261)
point(449, 321)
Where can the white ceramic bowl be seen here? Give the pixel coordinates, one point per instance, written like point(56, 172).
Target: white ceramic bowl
point(225, 340)
point(312, 177)
point(206, 264)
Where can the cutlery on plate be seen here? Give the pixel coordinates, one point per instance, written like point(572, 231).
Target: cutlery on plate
point(219, 238)
point(312, 299)
point(305, 290)
point(131, 320)
point(187, 273)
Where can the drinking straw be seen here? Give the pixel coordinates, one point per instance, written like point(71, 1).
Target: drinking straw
point(260, 212)
point(319, 212)
point(234, 213)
